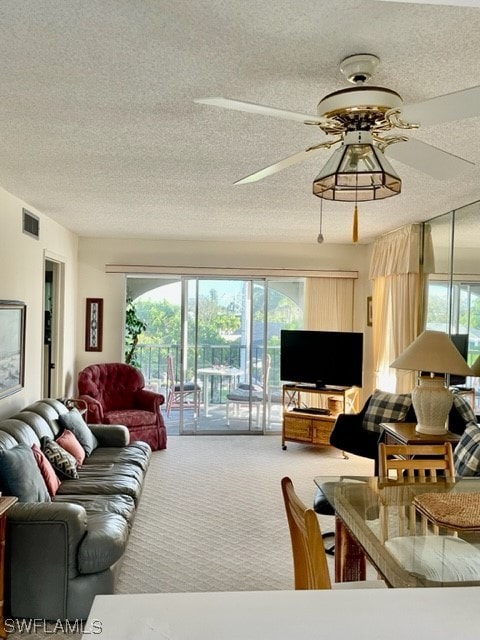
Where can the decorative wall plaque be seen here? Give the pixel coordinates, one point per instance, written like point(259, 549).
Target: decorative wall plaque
point(94, 324)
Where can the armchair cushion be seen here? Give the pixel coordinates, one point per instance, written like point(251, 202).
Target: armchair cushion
point(386, 407)
point(75, 423)
point(20, 475)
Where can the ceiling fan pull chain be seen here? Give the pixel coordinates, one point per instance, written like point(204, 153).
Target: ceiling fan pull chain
point(355, 224)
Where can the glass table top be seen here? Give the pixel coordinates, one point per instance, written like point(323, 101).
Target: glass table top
point(418, 533)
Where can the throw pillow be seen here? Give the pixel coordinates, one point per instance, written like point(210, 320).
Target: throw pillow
point(48, 472)
point(75, 423)
point(69, 442)
point(62, 461)
point(20, 475)
point(466, 455)
point(386, 407)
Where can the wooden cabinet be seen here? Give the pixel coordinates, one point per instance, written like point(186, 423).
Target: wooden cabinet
point(304, 420)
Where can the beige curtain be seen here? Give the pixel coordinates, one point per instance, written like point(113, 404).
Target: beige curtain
point(329, 304)
point(397, 289)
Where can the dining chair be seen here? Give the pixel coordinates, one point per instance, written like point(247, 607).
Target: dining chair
point(177, 394)
point(404, 461)
point(250, 395)
point(310, 565)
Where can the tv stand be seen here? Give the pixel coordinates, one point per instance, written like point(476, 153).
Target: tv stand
point(309, 426)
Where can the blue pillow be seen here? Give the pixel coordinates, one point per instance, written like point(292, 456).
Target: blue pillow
point(20, 475)
point(75, 423)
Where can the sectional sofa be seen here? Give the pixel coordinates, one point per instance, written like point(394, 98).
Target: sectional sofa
point(65, 545)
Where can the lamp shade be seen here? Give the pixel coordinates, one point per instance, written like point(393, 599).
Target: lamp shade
point(435, 352)
point(476, 368)
point(357, 171)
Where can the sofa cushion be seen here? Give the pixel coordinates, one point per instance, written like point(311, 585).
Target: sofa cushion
point(69, 442)
point(136, 453)
point(62, 461)
point(20, 475)
point(75, 423)
point(466, 456)
point(104, 544)
point(48, 472)
point(386, 407)
point(121, 505)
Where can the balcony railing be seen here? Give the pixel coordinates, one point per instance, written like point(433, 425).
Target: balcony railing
point(152, 360)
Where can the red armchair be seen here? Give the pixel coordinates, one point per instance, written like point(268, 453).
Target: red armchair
point(114, 394)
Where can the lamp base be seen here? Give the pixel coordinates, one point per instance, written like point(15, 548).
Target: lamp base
point(432, 402)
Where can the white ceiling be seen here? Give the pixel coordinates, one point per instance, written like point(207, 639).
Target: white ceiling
point(98, 128)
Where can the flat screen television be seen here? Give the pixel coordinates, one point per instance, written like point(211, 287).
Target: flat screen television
point(321, 358)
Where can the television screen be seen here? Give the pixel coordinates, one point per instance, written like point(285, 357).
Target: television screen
point(332, 358)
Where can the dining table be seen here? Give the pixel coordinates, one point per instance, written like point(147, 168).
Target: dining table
point(424, 532)
point(232, 374)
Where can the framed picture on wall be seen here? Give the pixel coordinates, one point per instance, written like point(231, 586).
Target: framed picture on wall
point(94, 324)
point(12, 346)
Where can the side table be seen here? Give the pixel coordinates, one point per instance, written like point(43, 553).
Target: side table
point(5, 503)
point(404, 433)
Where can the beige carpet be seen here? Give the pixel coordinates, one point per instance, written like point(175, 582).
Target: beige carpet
point(211, 517)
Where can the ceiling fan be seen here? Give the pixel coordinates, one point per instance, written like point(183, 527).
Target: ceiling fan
point(378, 113)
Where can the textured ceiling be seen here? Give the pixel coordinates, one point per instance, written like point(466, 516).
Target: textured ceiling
point(99, 131)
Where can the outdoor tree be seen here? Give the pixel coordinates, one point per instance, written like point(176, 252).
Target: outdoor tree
point(134, 326)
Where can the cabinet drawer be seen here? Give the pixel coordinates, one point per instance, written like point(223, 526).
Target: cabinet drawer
point(298, 428)
point(321, 431)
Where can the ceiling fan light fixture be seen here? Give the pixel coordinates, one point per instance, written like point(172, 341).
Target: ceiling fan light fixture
point(357, 172)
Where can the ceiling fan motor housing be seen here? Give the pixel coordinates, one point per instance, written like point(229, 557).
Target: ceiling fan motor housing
point(359, 107)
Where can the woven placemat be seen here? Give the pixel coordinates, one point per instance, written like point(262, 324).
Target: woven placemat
point(454, 510)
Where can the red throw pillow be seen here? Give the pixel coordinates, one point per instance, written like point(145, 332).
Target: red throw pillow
point(47, 471)
point(69, 442)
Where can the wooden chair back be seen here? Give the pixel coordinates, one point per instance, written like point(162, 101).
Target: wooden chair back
point(309, 558)
point(416, 460)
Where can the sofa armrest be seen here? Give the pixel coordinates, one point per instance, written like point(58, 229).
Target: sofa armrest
point(349, 435)
point(148, 400)
point(110, 435)
point(94, 409)
point(41, 556)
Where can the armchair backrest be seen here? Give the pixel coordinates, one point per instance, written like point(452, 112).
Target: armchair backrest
point(113, 384)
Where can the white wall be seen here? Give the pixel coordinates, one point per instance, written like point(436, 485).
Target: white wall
point(93, 282)
point(22, 275)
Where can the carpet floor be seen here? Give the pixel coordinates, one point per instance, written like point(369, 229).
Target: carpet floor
point(211, 516)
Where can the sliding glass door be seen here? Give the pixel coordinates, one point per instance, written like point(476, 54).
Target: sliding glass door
point(212, 346)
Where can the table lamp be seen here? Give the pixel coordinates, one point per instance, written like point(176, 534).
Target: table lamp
point(476, 368)
point(434, 352)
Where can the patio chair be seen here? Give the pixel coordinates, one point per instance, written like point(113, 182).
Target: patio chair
point(250, 395)
point(178, 394)
point(310, 565)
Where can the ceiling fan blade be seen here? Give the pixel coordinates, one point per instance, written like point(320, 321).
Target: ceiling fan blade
point(278, 166)
point(451, 106)
point(428, 159)
point(251, 107)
